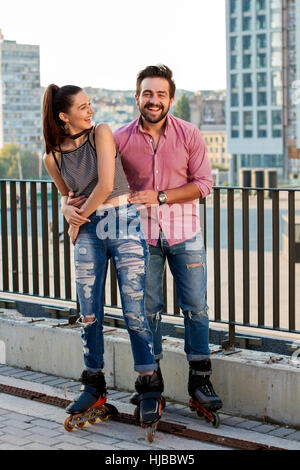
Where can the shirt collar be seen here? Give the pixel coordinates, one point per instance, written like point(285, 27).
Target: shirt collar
point(139, 127)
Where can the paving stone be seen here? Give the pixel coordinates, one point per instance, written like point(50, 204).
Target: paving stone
point(295, 436)
point(67, 446)
point(38, 377)
point(265, 428)
point(97, 437)
point(283, 432)
point(15, 440)
point(6, 446)
point(57, 382)
point(45, 424)
point(37, 446)
point(233, 421)
point(16, 432)
point(45, 431)
point(19, 424)
point(249, 424)
point(98, 446)
point(46, 440)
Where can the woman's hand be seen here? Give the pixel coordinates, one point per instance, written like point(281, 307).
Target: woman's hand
point(73, 233)
point(72, 215)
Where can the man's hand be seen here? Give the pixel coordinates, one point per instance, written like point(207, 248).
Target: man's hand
point(147, 198)
point(75, 201)
point(73, 217)
point(73, 233)
point(71, 209)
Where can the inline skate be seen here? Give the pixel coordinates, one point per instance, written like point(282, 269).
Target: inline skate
point(149, 402)
point(204, 399)
point(91, 403)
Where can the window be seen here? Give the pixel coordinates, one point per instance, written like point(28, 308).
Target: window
point(260, 4)
point(261, 41)
point(234, 124)
point(248, 122)
point(233, 25)
point(234, 80)
point(247, 42)
point(262, 124)
point(276, 123)
point(276, 88)
point(247, 99)
point(233, 6)
point(276, 58)
point(247, 80)
point(261, 79)
point(234, 99)
point(233, 43)
point(275, 4)
point(275, 19)
point(247, 61)
point(261, 98)
point(246, 5)
point(247, 23)
point(276, 40)
point(261, 60)
point(261, 22)
point(234, 62)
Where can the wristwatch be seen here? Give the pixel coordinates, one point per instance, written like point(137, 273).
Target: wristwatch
point(162, 197)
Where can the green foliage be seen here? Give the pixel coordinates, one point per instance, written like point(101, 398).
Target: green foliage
point(182, 108)
point(16, 163)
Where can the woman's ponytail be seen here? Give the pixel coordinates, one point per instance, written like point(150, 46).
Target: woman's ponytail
point(51, 129)
point(56, 100)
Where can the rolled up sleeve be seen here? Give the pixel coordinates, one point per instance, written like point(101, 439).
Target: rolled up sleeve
point(199, 166)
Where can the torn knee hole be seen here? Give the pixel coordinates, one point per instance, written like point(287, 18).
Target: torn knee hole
point(194, 265)
point(88, 319)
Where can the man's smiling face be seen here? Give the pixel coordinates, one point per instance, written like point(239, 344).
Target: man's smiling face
point(154, 99)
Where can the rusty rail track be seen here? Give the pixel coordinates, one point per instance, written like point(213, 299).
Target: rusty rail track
point(163, 426)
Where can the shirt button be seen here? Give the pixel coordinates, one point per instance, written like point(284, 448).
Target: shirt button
point(156, 172)
point(157, 187)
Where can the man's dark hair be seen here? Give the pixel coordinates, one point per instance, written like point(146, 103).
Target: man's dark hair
point(156, 71)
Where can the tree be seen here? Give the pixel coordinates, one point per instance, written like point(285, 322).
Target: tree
point(182, 108)
point(16, 163)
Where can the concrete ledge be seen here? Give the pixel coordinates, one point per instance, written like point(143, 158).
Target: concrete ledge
point(247, 384)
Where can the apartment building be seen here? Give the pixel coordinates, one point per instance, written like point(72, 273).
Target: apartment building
point(20, 96)
point(261, 116)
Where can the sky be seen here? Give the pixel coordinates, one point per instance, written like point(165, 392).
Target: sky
point(105, 43)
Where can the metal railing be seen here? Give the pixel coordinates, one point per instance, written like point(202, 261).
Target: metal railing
point(249, 234)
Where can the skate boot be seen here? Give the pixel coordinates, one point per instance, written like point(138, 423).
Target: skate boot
point(90, 404)
point(204, 399)
point(149, 408)
point(134, 399)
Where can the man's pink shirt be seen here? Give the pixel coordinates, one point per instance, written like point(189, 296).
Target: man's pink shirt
point(179, 158)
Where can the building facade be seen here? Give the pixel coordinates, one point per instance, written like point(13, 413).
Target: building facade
point(20, 96)
point(261, 116)
point(215, 140)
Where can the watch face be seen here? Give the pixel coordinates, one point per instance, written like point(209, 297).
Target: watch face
point(162, 198)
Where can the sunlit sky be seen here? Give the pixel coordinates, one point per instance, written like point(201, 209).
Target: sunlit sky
point(105, 43)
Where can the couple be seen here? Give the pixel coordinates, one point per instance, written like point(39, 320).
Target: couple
point(164, 160)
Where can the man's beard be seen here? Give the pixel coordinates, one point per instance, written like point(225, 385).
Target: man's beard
point(158, 118)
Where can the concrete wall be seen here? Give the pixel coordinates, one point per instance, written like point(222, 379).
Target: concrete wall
point(246, 383)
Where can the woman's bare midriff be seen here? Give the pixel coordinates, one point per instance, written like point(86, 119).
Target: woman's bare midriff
point(115, 201)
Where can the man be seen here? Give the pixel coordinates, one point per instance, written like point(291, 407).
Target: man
point(167, 168)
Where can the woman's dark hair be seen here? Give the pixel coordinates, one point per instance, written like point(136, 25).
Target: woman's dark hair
point(156, 71)
point(56, 100)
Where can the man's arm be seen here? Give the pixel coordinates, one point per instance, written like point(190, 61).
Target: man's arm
point(186, 193)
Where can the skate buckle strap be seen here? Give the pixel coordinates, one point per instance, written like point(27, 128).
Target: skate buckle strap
point(145, 396)
point(200, 372)
point(91, 390)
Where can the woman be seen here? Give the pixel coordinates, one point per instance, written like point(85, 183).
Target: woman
point(82, 159)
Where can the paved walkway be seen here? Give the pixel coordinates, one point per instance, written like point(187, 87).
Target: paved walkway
point(29, 425)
